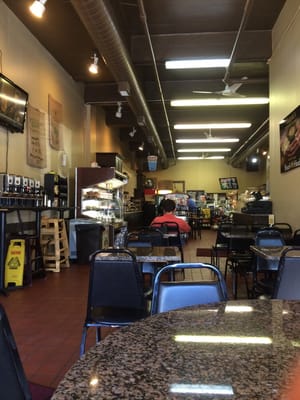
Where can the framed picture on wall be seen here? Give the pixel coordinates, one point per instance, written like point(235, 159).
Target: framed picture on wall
point(290, 141)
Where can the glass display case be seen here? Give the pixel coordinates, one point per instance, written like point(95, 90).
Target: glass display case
point(99, 194)
point(103, 205)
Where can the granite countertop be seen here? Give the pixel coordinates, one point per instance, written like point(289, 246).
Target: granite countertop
point(239, 350)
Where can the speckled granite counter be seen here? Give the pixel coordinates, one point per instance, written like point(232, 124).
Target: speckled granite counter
point(238, 350)
point(156, 254)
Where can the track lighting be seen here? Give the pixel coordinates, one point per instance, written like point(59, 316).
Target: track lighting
point(141, 146)
point(118, 113)
point(37, 8)
point(93, 68)
point(132, 132)
point(124, 89)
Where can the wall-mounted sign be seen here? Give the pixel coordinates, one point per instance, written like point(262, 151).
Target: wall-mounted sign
point(290, 141)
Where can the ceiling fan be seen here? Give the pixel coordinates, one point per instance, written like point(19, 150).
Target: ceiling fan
point(228, 91)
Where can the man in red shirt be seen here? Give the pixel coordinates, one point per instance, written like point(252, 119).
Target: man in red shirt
point(169, 207)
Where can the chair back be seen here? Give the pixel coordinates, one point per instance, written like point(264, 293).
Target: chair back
point(241, 238)
point(286, 231)
point(115, 281)
point(296, 238)
point(172, 233)
point(171, 295)
point(268, 238)
point(13, 382)
point(287, 285)
point(145, 237)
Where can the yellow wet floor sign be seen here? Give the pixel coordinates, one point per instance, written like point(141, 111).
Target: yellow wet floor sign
point(14, 265)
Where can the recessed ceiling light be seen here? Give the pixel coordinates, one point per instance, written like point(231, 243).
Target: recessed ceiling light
point(231, 125)
point(183, 64)
point(209, 140)
point(240, 101)
point(219, 150)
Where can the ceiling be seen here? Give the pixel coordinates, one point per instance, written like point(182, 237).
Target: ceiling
point(134, 38)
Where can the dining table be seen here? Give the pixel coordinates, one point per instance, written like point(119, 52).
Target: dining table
point(239, 349)
point(151, 254)
point(272, 253)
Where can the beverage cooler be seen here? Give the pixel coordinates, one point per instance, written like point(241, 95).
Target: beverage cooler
point(98, 201)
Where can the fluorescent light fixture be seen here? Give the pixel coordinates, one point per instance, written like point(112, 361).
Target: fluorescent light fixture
point(93, 68)
point(197, 63)
point(223, 339)
point(239, 309)
point(215, 390)
point(201, 158)
point(209, 140)
point(38, 8)
point(238, 101)
point(232, 125)
point(219, 150)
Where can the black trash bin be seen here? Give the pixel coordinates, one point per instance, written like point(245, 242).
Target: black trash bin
point(88, 240)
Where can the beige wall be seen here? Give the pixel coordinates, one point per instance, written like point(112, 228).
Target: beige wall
point(284, 98)
point(29, 65)
point(204, 174)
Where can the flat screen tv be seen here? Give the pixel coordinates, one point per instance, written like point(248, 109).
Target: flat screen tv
point(13, 105)
point(230, 183)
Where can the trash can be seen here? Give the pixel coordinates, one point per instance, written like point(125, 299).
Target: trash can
point(88, 240)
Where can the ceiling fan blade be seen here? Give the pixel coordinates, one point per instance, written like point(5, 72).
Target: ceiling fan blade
point(234, 87)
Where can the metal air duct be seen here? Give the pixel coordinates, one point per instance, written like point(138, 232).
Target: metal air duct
point(98, 18)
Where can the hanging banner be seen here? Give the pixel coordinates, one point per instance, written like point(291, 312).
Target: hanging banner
point(55, 123)
point(36, 138)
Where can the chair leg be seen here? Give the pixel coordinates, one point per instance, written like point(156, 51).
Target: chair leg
point(83, 340)
point(98, 334)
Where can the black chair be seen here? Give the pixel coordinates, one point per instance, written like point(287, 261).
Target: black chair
point(286, 231)
point(296, 238)
point(221, 245)
point(172, 235)
point(265, 271)
point(171, 295)
point(146, 237)
point(115, 295)
point(239, 258)
point(13, 382)
point(287, 286)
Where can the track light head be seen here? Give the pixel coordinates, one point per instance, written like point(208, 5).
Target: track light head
point(132, 132)
point(141, 146)
point(118, 113)
point(38, 8)
point(93, 68)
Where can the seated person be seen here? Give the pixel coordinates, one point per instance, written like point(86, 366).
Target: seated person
point(191, 204)
point(169, 207)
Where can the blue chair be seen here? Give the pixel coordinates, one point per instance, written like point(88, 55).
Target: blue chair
point(265, 271)
point(170, 295)
point(287, 286)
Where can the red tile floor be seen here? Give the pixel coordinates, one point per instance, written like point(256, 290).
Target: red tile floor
point(47, 317)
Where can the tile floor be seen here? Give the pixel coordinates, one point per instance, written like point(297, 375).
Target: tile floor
point(47, 317)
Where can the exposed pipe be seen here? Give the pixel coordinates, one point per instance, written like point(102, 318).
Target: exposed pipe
point(245, 147)
point(99, 22)
point(246, 13)
point(143, 17)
